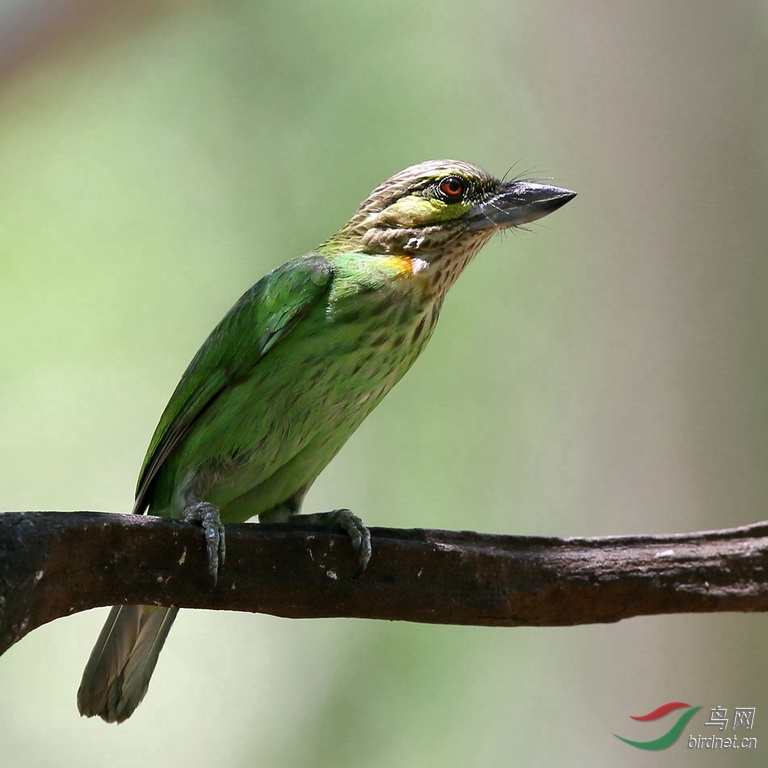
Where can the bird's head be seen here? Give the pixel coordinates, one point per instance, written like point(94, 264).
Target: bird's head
point(443, 210)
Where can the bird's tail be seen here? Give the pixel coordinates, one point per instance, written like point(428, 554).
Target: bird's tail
point(117, 674)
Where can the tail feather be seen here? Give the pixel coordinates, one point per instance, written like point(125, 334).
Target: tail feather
point(118, 671)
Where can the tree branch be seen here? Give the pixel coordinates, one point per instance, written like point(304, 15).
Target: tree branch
point(54, 564)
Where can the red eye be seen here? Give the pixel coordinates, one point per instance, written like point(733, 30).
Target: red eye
point(452, 188)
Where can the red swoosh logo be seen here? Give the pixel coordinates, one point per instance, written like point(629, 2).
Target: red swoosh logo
point(664, 709)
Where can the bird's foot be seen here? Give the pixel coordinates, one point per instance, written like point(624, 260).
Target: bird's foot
point(352, 524)
point(208, 516)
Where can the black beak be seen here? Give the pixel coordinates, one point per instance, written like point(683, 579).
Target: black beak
point(516, 203)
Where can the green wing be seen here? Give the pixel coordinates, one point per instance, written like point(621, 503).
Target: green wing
point(260, 319)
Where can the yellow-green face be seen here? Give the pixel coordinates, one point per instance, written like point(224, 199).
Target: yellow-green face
point(446, 194)
point(421, 209)
point(428, 206)
point(416, 210)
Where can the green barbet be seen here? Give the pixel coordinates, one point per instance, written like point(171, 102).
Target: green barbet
point(290, 373)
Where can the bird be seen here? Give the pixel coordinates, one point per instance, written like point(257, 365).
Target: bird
point(290, 373)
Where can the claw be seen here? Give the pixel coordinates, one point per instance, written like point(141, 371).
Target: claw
point(208, 516)
point(355, 528)
point(360, 535)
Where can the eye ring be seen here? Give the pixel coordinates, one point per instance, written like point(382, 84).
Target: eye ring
point(452, 188)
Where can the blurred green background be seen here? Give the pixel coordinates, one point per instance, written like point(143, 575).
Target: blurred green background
point(605, 373)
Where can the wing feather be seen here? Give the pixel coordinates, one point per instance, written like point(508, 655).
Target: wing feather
point(262, 317)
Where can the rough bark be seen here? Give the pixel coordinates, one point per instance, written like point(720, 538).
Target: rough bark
point(53, 564)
